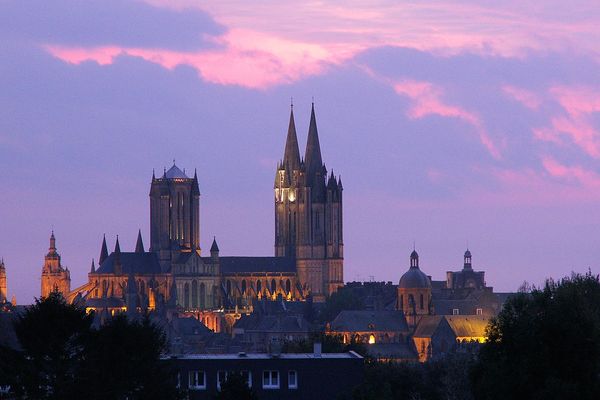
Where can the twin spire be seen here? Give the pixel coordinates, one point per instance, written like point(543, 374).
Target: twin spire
point(312, 162)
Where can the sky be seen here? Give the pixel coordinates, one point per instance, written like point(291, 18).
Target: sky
point(452, 124)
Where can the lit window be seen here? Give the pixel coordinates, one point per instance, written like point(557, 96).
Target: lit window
point(196, 380)
point(479, 311)
point(247, 375)
point(455, 311)
point(292, 380)
point(221, 378)
point(371, 339)
point(270, 379)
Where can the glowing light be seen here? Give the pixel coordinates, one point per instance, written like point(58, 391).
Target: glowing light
point(371, 339)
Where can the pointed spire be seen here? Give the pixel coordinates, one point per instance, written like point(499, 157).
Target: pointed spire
point(103, 251)
point(153, 176)
point(117, 260)
point(139, 246)
point(313, 160)
point(195, 188)
point(93, 270)
point(52, 248)
point(117, 246)
point(291, 155)
point(214, 247)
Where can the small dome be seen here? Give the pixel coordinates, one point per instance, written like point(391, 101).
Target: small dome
point(414, 278)
point(414, 254)
point(467, 253)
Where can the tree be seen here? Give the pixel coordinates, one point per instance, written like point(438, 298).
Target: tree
point(52, 337)
point(123, 361)
point(236, 388)
point(544, 344)
point(62, 357)
point(329, 343)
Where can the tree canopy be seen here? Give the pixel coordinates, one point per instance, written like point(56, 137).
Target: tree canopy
point(61, 356)
point(545, 344)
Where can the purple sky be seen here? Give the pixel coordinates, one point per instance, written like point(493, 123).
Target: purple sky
point(450, 123)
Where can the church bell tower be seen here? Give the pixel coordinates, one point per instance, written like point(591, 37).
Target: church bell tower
point(174, 215)
point(308, 214)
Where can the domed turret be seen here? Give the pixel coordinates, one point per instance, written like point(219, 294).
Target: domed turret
point(414, 289)
point(414, 278)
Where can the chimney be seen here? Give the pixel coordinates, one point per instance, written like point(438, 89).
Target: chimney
point(317, 349)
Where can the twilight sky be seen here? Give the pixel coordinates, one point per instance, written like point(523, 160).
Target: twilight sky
point(450, 123)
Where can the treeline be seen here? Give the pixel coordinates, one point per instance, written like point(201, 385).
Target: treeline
point(61, 356)
point(545, 344)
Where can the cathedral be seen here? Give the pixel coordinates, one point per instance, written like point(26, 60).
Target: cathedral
point(174, 272)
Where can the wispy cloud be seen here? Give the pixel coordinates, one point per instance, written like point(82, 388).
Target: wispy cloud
point(576, 121)
point(427, 99)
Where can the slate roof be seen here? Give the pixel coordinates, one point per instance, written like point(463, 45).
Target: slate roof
point(414, 278)
point(467, 325)
point(428, 325)
point(137, 263)
point(398, 351)
point(231, 265)
point(374, 321)
point(175, 173)
point(273, 323)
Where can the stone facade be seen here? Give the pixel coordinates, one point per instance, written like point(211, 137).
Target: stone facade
point(3, 292)
point(173, 272)
point(308, 214)
point(55, 277)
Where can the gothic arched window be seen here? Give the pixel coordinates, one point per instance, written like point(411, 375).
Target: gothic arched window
point(288, 286)
point(258, 287)
point(194, 294)
point(186, 295)
point(273, 286)
point(243, 286)
point(421, 301)
point(228, 287)
point(202, 295)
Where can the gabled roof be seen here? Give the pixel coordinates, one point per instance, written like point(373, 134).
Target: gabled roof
point(375, 321)
point(137, 263)
point(428, 325)
point(467, 325)
point(257, 264)
point(175, 173)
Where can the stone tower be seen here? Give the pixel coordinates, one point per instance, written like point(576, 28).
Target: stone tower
point(3, 292)
point(174, 215)
point(414, 291)
point(308, 214)
point(54, 276)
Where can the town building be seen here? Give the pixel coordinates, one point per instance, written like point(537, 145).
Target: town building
point(273, 376)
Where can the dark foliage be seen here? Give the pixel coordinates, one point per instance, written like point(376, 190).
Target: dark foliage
point(445, 379)
point(62, 357)
point(544, 344)
point(337, 302)
point(329, 344)
point(235, 388)
point(122, 361)
point(52, 336)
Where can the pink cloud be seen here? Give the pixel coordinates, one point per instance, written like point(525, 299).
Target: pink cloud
point(247, 58)
point(527, 98)
point(579, 104)
point(588, 179)
point(427, 100)
point(509, 28)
